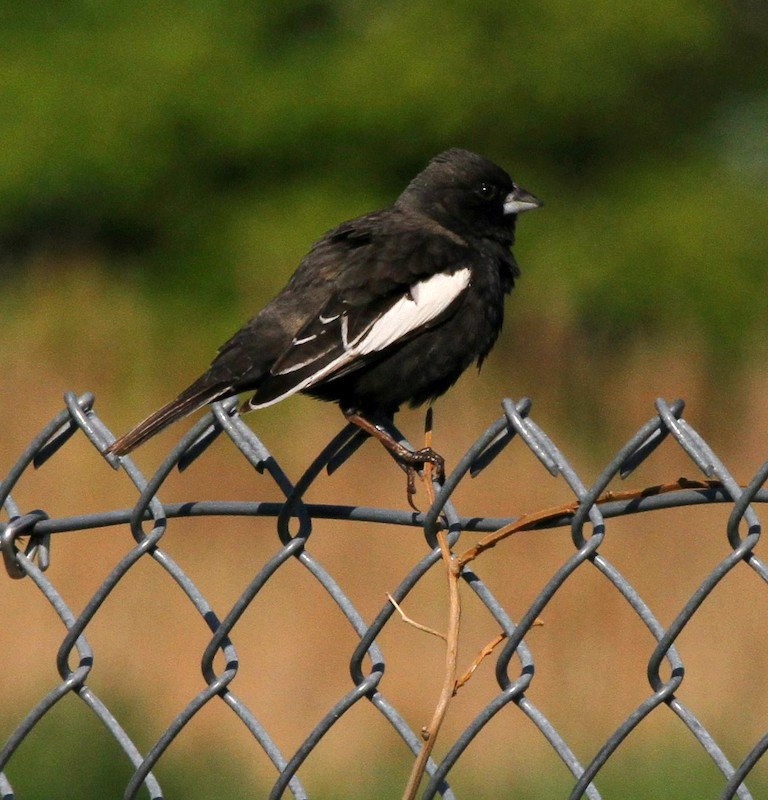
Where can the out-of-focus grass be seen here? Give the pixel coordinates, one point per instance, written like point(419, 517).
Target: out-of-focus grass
point(70, 755)
point(55, 764)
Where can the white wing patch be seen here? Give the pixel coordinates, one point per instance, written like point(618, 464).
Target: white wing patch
point(425, 302)
point(422, 304)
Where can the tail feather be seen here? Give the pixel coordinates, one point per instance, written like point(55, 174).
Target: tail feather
point(188, 401)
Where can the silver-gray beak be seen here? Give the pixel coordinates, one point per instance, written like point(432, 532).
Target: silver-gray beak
point(518, 200)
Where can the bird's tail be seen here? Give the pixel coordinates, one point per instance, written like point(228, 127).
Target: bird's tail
point(188, 401)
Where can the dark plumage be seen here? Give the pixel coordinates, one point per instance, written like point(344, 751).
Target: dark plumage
point(386, 309)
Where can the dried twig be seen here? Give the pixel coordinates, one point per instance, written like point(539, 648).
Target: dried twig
point(484, 653)
point(531, 520)
point(453, 571)
point(405, 618)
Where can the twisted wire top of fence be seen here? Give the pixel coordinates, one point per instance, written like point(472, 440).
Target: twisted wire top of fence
point(444, 528)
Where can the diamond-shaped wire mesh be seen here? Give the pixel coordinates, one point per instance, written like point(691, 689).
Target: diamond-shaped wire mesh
point(584, 521)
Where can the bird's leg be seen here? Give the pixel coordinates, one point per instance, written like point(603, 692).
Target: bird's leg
point(410, 459)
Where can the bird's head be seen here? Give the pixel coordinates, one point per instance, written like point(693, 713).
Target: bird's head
point(469, 195)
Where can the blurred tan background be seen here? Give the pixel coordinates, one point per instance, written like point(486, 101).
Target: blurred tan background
point(162, 172)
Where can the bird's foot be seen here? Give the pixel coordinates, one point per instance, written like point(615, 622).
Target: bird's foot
point(413, 461)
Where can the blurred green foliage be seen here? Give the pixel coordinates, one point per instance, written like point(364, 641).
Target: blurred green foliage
point(70, 755)
point(198, 147)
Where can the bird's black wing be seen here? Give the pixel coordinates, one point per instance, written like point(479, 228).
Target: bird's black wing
point(389, 276)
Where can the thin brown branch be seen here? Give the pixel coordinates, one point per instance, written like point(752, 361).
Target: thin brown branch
point(427, 467)
point(483, 654)
point(532, 519)
point(453, 572)
point(430, 731)
point(405, 618)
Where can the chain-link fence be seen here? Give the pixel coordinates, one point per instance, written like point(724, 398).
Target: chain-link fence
point(443, 526)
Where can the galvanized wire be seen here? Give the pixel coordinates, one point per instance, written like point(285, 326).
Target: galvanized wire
point(149, 518)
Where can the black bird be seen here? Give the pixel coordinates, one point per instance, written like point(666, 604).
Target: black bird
point(385, 309)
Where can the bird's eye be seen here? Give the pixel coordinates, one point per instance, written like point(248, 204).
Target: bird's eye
point(486, 190)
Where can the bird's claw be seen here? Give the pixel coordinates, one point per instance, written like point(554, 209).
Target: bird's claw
point(428, 456)
point(416, 461)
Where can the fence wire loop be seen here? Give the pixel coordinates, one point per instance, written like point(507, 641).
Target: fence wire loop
point(587, 518)
point(38, 546)
point(649, 445)
point(540, 444)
